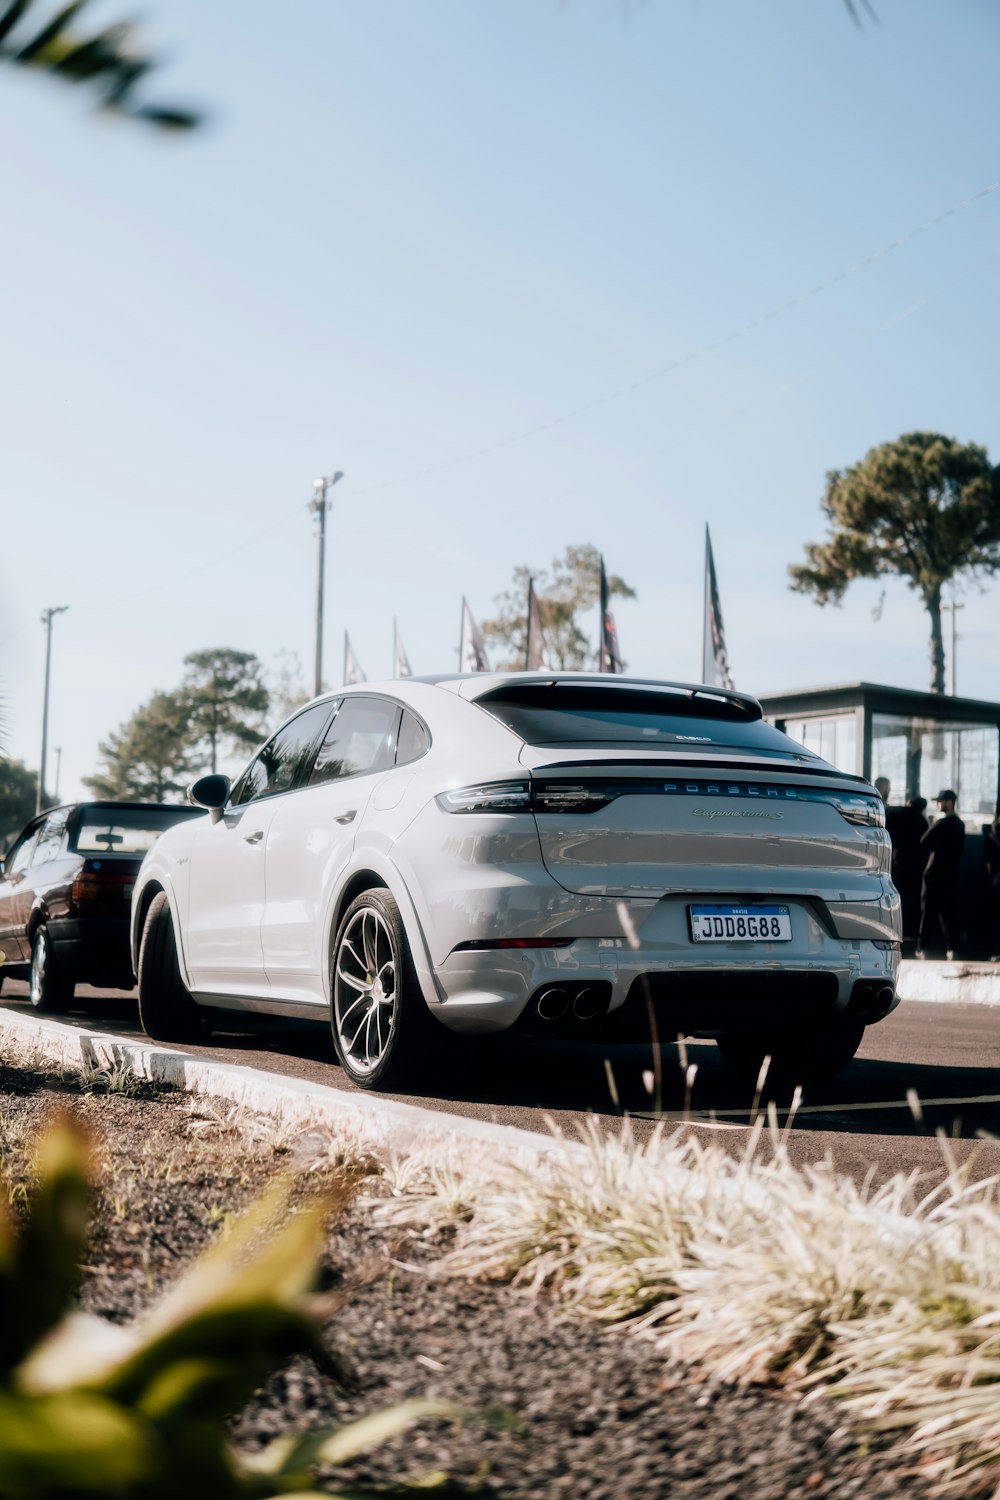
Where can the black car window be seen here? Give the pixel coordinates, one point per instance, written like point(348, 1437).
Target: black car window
point(277, 767)
point(20, 856)
point(50, 839)
point(413, 739)
point(361, 738)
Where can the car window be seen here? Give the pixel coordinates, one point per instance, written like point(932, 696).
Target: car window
point(51, 837)
point(20, 856)
point(361, 738)
point(103, 828)
point(277, 767)
point(413, 739)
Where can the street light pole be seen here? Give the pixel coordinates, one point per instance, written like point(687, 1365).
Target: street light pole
point(47, 618)
point(319, 505)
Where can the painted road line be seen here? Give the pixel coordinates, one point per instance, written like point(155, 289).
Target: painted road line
point(715, 1116)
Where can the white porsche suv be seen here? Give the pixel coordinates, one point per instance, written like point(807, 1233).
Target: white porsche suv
point(547, 851)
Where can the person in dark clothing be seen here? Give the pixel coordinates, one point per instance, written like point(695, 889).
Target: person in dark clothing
point(907, 827)
point(942, 844)
point(991, 848)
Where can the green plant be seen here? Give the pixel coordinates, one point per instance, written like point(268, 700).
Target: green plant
point(88, 1409)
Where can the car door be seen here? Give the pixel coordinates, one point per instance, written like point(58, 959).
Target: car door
point(14, 894)
point(226, 890)
point(311, 837)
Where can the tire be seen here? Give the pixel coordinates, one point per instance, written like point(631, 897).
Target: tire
point(796, 1057)
point(396, 1039)
point(49, 988)
point(166, 1010)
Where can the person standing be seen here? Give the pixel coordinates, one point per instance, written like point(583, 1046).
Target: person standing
point(906, 830)
point(991, 848)
point(943, 843)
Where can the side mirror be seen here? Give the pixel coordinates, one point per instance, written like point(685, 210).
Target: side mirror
point(211, 792)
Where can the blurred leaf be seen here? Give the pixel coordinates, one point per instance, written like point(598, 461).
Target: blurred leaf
point(42, 1264)
point(59, 23)
point(338, 1445)
point(70, 1444)
point(11, 16)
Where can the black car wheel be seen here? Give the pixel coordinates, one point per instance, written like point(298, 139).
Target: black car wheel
point(383, 1032)
point(166, 1010)
point(49, 988)
point(796, 1057)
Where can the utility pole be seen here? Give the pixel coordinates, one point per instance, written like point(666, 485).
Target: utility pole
point(954, 606)
point(47, 617)
point(55, 789)
point(319, 505)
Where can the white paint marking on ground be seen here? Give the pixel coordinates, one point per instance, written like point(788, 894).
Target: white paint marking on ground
point(712, 1117)
point(386, 1122)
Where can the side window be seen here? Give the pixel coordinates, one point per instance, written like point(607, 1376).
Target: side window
point(277, 767)
point(21, 854)
point(413, 739)
point(361, 738)
point(51, 837)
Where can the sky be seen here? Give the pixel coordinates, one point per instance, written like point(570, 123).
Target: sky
point(508, 265)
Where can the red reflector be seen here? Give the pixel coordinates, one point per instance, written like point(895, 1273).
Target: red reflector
point(494, 943)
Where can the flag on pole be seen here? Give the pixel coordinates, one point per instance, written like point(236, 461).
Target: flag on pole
point(472, 651)
point(536, 656)
point(400, 660)
point(715, 658)
point(352, 667)
point(610, 655)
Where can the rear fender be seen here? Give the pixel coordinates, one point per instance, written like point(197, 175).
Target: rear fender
point(388, 873)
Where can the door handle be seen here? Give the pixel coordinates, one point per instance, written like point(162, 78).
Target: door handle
point(255, 837)
point(347, 817)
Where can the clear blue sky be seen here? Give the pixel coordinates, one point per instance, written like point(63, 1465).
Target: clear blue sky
point(415, 231)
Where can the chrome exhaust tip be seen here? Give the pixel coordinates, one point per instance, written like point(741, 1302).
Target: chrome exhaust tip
point(552, 1005)
point(589, 1004)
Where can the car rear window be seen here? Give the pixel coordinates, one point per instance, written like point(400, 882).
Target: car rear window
point(566, 714)
point(124, 830)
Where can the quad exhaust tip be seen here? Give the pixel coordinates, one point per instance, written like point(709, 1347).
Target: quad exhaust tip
point(869, 1003)
point(552, 1005)
point(589, 1004)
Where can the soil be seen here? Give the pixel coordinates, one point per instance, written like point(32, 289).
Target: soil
point(588, 1412)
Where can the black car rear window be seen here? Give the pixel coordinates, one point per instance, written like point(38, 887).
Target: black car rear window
point(124, 830)
point(567, 714)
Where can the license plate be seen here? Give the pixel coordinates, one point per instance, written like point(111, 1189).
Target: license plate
point(740, 924)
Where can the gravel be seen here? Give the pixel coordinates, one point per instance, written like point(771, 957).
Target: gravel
point(573, 1409)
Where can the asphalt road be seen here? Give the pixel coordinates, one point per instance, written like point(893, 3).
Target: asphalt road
point(947, 1055)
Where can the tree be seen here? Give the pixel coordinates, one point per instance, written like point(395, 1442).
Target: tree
point(925, 507)
point(149, 758)
point(286, 684)
point(573, 586)
point(224, 700)
point(18, 794)
point(110, 60)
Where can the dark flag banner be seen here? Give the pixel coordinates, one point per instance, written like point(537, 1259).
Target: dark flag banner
point(352, 667)
point(715, 659)
point(472, 651)
point(536, 656)
point(400, 660)
point(611, 659)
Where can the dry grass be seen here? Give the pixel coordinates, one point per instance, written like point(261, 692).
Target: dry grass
point(887, 1299)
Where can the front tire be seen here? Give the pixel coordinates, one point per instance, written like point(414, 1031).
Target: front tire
point(796, 1057)
point(166, 1009)
point(49, 988)
point(382, 1029)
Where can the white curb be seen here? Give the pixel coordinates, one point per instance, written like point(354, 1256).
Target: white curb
point(957, 983)
point(386, 1123)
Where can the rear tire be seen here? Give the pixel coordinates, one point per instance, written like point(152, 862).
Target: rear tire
point(166, 1009)
point(383, 1032)
point(49, 988)
point(796, 1057)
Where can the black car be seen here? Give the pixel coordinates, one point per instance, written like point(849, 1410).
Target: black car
point(66, 892)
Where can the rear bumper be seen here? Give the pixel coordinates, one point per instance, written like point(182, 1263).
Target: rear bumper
point(696, 988)
point(94, 950)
